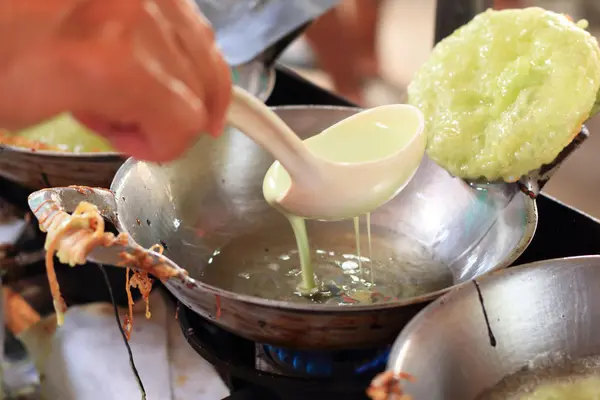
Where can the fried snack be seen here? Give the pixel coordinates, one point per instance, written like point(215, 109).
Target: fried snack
point(388, 386)
point(73, 237)
point(507, 92)
point(61, 133)
point(142, 281)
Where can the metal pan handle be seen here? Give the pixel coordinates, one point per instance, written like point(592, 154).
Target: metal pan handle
point(46, 202)
point(270, 55)
point(533, 184)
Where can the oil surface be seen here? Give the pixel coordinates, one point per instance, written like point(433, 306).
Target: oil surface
point(273, 270)
point(555, 378)
point(576, 389)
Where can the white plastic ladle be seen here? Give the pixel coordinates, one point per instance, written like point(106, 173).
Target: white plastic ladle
point(319, 182)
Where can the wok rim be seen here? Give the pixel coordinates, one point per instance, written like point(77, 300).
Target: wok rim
point(96, 156)
point(530, 229)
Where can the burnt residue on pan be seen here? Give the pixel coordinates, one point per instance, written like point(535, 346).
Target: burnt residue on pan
point(491, 336)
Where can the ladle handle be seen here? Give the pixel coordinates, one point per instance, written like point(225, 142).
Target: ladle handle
point(261, 124)
point(47, 202)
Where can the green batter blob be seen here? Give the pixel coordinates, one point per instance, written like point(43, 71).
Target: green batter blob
point(507, 92)
point(67, 134)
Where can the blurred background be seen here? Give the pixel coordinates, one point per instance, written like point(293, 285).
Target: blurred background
point(404, 37)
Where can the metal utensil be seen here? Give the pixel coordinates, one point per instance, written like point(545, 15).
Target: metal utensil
point(470, 339)
point(532, 183)
point(40, 169)
point(213, 198)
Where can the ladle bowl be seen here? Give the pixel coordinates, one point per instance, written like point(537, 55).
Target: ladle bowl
point(208, 211)
point(351, 168)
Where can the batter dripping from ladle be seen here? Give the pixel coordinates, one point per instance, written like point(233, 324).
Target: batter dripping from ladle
point(309, 284)
point(377, 134)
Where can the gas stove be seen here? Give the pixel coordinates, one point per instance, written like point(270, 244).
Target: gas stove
point(262, 371)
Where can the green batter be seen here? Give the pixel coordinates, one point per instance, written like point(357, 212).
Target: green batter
point(67, 134)
point(581, 389)
point(507, 92)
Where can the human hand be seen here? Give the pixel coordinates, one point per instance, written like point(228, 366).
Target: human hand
point(145, 74)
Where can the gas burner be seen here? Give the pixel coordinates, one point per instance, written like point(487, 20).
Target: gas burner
point(306, 363)
point(267, 372)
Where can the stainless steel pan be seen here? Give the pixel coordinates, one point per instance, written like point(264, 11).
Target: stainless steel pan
point(42, 169)
point(544, 319)
point(212, 199)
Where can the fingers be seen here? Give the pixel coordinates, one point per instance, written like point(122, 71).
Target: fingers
point(218, 103)
point(127, 138)
point(35, 87)
point(145, 98)
point(194, 33)
point(146, 75)
point(196, 43)
point(171, 118)
point(158, 36)
point(141, 108)
point(174, 113)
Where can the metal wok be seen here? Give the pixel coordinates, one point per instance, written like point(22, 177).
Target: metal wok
point(41, 169)
point(544, 318)
point(213, 197)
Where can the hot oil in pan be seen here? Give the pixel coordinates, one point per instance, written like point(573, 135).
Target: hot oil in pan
point(266, 264)
point(550, 377)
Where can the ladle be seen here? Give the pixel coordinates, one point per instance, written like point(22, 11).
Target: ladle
point(331, 188)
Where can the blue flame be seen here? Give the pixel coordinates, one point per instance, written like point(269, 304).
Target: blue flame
point(320, 363)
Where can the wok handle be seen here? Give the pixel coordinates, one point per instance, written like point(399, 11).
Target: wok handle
point(533, 183)
point(46, 202)
point(270, 56)
point(66, 199)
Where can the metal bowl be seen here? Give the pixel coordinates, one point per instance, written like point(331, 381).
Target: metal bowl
point(544, 324)
point(38, 169)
